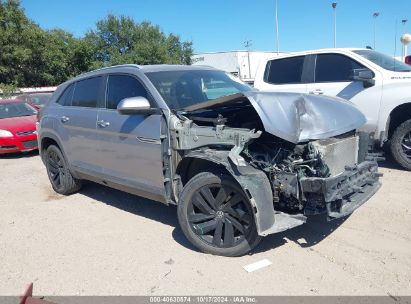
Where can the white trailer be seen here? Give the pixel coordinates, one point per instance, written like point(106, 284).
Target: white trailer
point(243, 64)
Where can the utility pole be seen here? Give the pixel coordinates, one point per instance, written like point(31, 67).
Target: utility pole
point(276, 27)
point(404, 44)
point(404, 22)
point(247, 45)
point(375, 15)
point(334, 6)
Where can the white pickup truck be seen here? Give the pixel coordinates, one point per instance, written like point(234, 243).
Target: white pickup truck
point(377, 84)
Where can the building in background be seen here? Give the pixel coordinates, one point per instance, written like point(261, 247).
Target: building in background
point(242, 64)
point(25, 91)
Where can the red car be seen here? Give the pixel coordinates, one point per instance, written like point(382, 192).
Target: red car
point(408, 60)
point(17, 127)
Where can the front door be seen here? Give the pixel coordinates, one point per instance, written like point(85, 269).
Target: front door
point(333, 77)
point(130, 151)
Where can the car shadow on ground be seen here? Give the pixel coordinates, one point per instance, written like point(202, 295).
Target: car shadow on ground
point(307, 235)
point(315, 230)
point(389, 163)
point(18, 155)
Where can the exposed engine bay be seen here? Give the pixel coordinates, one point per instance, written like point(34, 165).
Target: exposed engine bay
point(328, 174)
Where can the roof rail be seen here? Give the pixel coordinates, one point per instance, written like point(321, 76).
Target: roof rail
point(113, 66)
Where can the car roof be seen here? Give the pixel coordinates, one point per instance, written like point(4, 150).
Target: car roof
point(37, 93)
point(147, 68)
point(317, 51)
point(172, 67)
point(11, 100)
point(142, 68)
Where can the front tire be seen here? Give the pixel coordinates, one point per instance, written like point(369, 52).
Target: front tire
point(58, 172)
point(400, 145)
point(216, 216)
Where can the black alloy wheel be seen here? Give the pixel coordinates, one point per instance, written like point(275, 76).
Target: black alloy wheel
point(58, 172)
point(406, 145)
point(400, 144)
point(216, 215)
point(219, 215)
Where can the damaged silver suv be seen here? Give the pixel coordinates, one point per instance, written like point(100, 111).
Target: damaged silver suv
point(238, 163)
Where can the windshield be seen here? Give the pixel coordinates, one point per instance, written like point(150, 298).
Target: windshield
point(386, 62)
point(15, 109)
point(39, 99)
point(181, 89)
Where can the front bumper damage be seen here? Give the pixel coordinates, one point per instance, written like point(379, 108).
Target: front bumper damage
point(340, 195)
point(335, 196)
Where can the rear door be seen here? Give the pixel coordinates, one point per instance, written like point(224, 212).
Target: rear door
point(286, 75)
point(78, 117)
point(130, 150)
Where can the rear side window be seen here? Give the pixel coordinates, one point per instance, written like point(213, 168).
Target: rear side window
point(335, 68)
point(123, 86)
point(86, 93)
point(65, 98)
point(284, 71)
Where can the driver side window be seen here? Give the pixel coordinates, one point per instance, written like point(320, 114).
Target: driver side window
point(335, 68)
point(123, 86)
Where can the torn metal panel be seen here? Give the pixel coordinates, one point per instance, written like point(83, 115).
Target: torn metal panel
point(189, 136)
point(302, 117)
point(295, 117)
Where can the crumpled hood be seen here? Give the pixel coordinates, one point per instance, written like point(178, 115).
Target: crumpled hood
point(295, 117)
point(301, 117)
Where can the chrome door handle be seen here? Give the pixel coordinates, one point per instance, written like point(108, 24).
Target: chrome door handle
point(102, 123)
point(317, 92)
point(64, 119)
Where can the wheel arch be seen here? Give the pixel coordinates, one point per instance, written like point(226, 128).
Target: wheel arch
point(190, 166)
point(48, 139)
point(397, 116)
point(254, 183)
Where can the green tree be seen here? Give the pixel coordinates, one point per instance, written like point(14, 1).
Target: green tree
point(120, 40)
point(31, 56)
point(7, 90)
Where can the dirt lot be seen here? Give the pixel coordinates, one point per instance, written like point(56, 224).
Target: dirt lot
point(104, 242)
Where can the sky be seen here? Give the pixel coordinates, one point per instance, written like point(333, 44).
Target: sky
point(222, 25)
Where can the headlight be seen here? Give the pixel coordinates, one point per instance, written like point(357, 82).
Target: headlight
point(5, 133)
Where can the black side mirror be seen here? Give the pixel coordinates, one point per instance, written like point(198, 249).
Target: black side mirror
point(364, 75)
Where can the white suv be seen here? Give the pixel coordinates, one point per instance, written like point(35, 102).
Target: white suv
point(377, 84)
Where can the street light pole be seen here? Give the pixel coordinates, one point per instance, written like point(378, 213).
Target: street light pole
point(334, 6)
point(247, 45)
point(375, 15)
point(404, 22)
point(276, 27)
point(404, 46)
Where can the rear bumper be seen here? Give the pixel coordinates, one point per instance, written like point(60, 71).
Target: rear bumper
point(340, 195)
point(18, 144)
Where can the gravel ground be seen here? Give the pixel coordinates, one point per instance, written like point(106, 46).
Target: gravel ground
point(105, 242)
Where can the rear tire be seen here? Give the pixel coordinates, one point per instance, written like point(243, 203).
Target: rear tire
point(216, 216)
point(58, 172)
point(400, 145)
